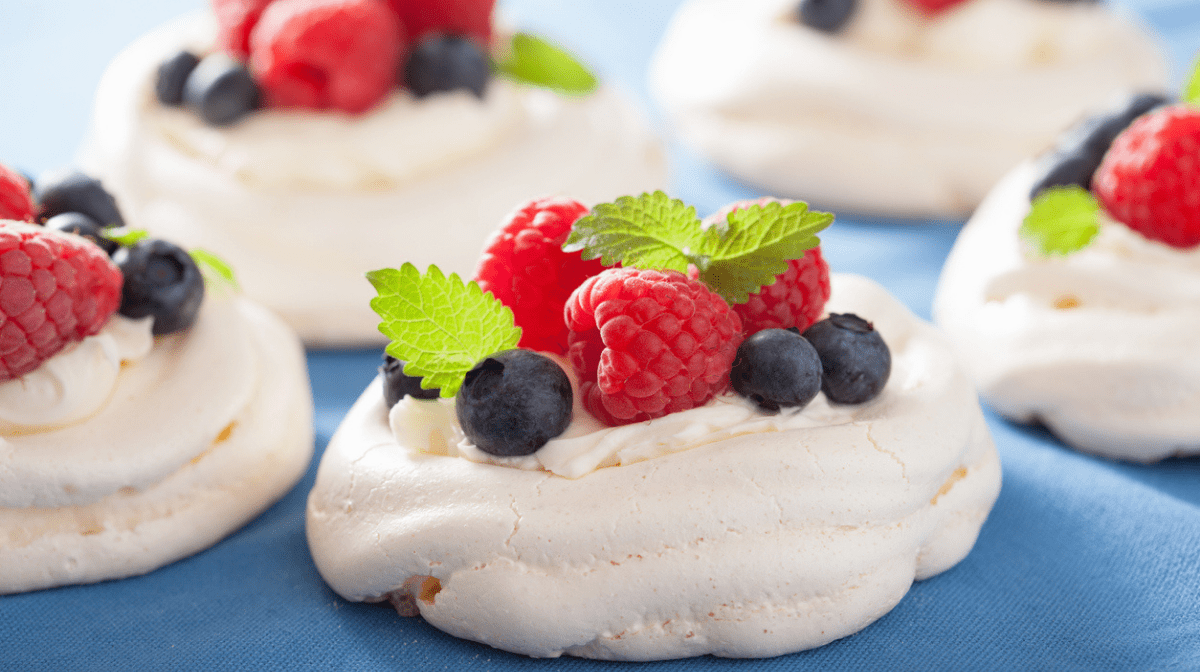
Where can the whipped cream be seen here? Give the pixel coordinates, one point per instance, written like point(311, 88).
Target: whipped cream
point(194, 438)
point(76, 382)
point(1099, 345)
point(419, 180)
point(699, 508)
point(929, 112)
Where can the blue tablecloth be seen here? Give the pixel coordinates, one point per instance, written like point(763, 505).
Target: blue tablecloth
point(1085, 564)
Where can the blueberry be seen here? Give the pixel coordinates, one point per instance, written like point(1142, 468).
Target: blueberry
point(828, 16)
point(172, 75)
point(776, 367)
point(221, 90)
point(513, 402)
point(68, 190)
point(82, 225)
point(160, 280)
point(446, 63)
point(1078, 153)
point(396, 385)
point(855, 361)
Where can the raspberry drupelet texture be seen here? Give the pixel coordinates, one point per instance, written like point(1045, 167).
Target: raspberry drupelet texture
point(647, 343)
point(523, 265)
point(55, 288)
point(1150, 178)
point(796, 299)
point(15, 200)
point(319, 54)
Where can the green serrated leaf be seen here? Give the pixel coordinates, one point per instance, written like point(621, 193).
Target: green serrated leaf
point(1191, 86)
point(439, 326)
point(535, 61)
point(125, 236)
point(1061, 220)
point(650, 231)
point(756, 244)
point(214, 268)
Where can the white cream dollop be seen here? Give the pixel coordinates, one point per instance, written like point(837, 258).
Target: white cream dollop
point(77, 381)
point(192, 439)
point(1100, 345)
point(302, 203)
point(899, 114)
point(718, 530)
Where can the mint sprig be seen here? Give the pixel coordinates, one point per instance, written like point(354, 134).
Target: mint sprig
point(214, 268)
point(125, 236)
point(1061, 221)
point(532, 60)
point(439, 326)
point(736, 256)
point(1191, 86)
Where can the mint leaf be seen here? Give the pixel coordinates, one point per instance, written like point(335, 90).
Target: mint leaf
point(214, 268)
point(533, 60)
point(438, 326)
point(756, 244)
point(648, 231)
point(125, 236)
point(736, 256)
point(1061, 221)
point(1191, 87)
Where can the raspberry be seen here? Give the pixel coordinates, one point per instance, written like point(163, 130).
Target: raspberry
point(798, 295)
point(472, 18)
point(1150, 178)
point(15, 199)
point(796, 299)
point(235, 20)
point(524, 266)
point(320, 54)
point(931, 7)
point(55, 288)
point(648, 343)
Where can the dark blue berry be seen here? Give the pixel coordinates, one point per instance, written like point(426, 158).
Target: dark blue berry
point(447, 63)
point(161, 280)
point(776, 367)
point(513, 402)
point(1079, 151)
point(855, 361)
point(221, 90)
point(68, 190)
point(82, 225)
point(828, 16)
point(172, 75)
point(396, 385)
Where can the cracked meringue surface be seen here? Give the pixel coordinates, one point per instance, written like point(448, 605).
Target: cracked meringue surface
point(1098, 345)
point(726, 532)
point(899, 114)
point(193, 435)
point(303, 203)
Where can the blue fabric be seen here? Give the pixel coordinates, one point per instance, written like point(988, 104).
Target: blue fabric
point(1084, 564)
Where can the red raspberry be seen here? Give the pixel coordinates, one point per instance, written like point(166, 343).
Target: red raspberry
point(319, 54)
point(932, 7)
point(235, 20)
point(450, 17)
point(1149, 179)
point(55, 288)
point(15, 200)
point(648, 343)
point(796, 299)
point(524, 266)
